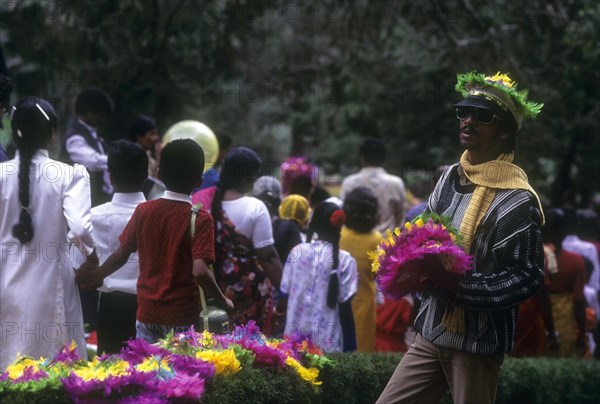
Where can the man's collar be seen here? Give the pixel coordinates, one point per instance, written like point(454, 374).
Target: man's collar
point(38, 152)
point(372, 169)
point(176, 196)
point(128, 197)
point(462, 177)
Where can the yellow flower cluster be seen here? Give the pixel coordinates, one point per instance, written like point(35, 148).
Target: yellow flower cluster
point(501, 78)
point(96, 370)
point(18, 367)
point(390, 241)
point(207, 340)
point(418, 223)
point(308, 374)
point(226, 363)
point(153, 363)
point(374, 258)
point(277, 344)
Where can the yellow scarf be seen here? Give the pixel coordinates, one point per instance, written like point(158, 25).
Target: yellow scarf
point(488, 178)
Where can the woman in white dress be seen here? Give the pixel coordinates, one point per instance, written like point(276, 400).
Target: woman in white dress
point(44, 208)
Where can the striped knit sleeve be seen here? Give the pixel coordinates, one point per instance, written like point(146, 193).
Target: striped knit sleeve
point(508, 256)
point(437, 191)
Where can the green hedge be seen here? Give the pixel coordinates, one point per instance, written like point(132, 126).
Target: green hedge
point(359, 378)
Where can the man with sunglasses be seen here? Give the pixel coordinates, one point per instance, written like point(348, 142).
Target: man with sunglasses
point(466, 323)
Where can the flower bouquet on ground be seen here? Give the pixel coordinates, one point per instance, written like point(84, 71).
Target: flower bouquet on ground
point(177, 368)
point(399, 259)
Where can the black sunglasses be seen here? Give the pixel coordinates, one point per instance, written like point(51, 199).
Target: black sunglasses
point(481, 115)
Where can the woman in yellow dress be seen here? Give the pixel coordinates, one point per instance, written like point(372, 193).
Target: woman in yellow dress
point(358, 237)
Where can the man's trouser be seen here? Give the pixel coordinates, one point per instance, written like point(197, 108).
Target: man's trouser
point(426, 372)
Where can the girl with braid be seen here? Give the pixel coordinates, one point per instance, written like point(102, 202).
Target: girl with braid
point(247, 267)
point(320, 281)
point(45, 205)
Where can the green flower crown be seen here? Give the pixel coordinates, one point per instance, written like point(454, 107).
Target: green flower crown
point(468, 81)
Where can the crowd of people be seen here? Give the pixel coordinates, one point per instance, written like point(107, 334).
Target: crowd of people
point(120, 237)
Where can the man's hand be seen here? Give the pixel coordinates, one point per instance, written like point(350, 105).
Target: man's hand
point(228, 306)
point(438, 274)
point(87, 274)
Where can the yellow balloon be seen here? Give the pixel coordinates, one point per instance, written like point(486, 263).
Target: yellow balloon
point(199, 133)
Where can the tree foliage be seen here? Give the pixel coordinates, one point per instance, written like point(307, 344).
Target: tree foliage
point(313, 77)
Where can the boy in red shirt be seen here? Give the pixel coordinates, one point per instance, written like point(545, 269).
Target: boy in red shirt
point(172, 262)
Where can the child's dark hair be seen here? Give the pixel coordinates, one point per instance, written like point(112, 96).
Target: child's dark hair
point(326, 221)
point(555, 228)
point(302, 186)
point(570, 219)
point(33, 122)
point(224, 139)
point(361, 209)
point(319, 194)
point(127, 165)
point(94, 99)
point(181, 165)
point(271, 201)
point(239, 165)
point(373, 151)
point(588, 225)
point(140, 126)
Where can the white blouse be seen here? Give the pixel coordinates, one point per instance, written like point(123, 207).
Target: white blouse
point(251, 218)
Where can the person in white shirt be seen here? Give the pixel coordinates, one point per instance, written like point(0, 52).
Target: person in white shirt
point(83, 145)
point(586, 249)
point(117, 306)
point(44, 208)
point(389, 189)
point(574, 242)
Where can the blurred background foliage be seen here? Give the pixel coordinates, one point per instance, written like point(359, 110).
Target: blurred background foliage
point(312, 78)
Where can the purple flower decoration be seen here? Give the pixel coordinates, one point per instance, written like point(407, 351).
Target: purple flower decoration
point(191, 337)
point(294, 168)
point(137, 350)
point(29, 374)
point(242, 335)
point(400, 270)
point(111, 387)
point(298, 338)
point(151, 374)
point(267, 357)
point(182, 386)
point(247, 332)
point(68, 354)
point(183, 364)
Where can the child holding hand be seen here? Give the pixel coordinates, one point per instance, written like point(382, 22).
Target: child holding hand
point(172, 261)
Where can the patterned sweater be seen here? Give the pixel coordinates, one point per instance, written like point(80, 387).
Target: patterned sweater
point(507, 269)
